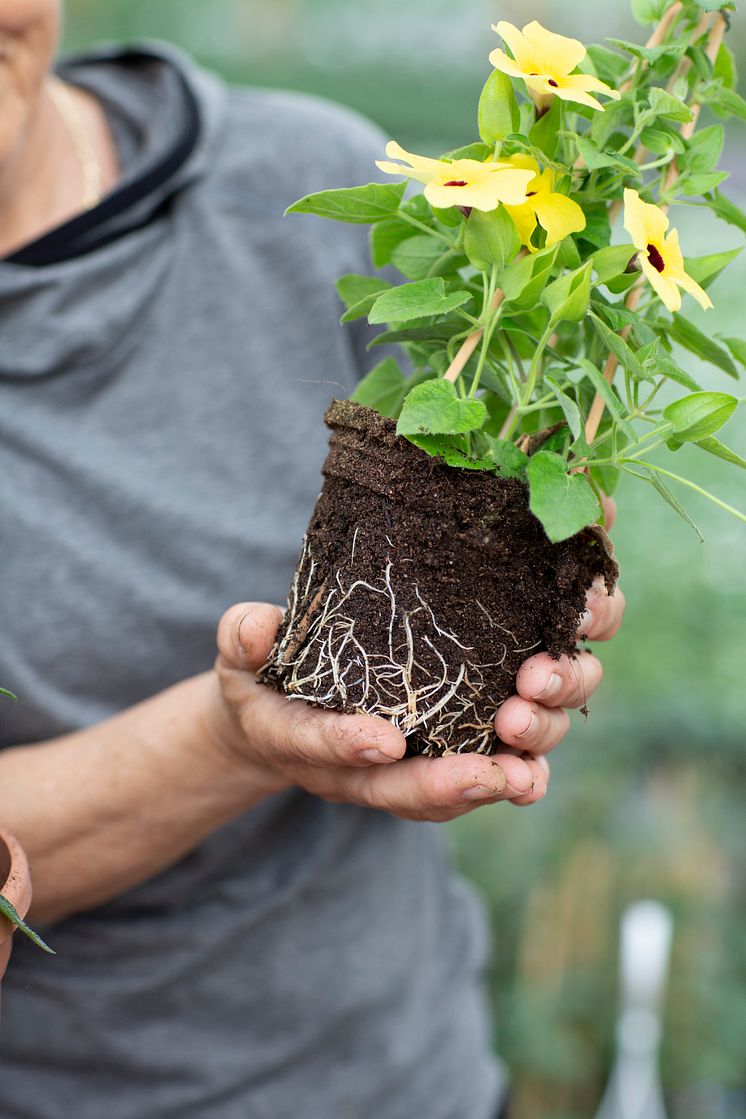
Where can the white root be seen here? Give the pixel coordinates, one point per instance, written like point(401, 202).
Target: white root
point(329, 665)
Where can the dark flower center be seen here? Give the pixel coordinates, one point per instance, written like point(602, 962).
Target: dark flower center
point(552, 82)
point(457, 182)
point(531, 194)
point(656, 259)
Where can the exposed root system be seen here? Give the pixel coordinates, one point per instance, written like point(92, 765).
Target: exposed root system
point(421, 589)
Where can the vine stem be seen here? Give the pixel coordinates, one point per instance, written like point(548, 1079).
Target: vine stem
point(469, 345)
point(717, 31)
point(693, 486)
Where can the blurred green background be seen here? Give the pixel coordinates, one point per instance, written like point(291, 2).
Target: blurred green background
point(647, 798)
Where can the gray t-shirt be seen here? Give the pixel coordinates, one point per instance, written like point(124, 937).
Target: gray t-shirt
point(162, 383)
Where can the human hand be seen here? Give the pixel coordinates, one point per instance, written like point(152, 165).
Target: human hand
point(347, 758)
point(534, 720)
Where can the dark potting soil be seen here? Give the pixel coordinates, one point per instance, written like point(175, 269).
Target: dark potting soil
point(422, 588)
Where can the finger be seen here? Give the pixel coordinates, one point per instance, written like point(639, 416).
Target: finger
point(540, 770)
point(246, 634)
point(288, 731)
point(530, 726)
point(609, 506)
point(603, 614)
point(567, 682)
point(437, 788)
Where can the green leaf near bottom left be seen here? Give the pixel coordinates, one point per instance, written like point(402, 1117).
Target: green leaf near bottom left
point(435, 408)
point(8, 911)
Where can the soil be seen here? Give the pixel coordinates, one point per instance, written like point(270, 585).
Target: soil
point(422, 588)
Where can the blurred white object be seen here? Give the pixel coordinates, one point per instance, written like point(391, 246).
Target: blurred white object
point(635, 1090)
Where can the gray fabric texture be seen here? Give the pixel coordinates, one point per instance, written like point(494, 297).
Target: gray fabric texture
point(160, 445)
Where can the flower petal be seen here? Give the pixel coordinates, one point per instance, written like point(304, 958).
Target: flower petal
point(553, 54)
point(646, 224)
point(420, 162)
point(586, 83)
point(524, 219)
point(479, 196)
point(398, 169)
point(519, 48)
point(511, 185)
point(500, 61)
point(688, 284)
point(672, 255)
point(560, 216)
point(664, 285)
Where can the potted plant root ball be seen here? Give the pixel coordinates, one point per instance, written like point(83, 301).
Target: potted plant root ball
point(460, 522)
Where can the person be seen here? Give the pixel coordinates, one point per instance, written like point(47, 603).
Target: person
point(253, 911)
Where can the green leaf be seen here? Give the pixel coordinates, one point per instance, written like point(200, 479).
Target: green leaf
point(568, 297)
point(704, 150)
point(385, 236)
point(595, 159)
point(664, 104)
point(419, 257)
point(715, 447)
point(597, 229)
point(709, 5)
point(352, 287)
point(727, 211)
point(477, 150)
point(704, 183)
point(416, 301)
point(434, 408)
point(657, 482)
point(737, 347)
point(10, 695)
point(498, 113)
point(661, 365)
point(9, 912)
point(610, 398)
point(701, 414)
point(692, 338)
point(648, 11)
point(705, 269)
point(544, 133)
point(607, 478)
point(383, 389)
point(569, 408)
point(451, 450)
point(661, 141)
point(433, 332)
point(360, 205)
point(612, 261)
point(564, 503)
point(524, 280)
point(610, 67)
point(649, 54)
point(617, 346)
point(491, 239)
point(726, 69)
point(507, 459)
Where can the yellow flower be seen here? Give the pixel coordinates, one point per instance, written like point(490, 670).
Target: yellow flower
point(462, 182)
point(554, 212)
point(545, 62)
point(660, 255)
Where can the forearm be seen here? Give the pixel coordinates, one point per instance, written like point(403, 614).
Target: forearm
point(101, 810)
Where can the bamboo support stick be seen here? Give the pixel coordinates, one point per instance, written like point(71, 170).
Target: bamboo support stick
point(717, 31)
point(469, 345)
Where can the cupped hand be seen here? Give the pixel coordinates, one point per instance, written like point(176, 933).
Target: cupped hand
point(349, 758)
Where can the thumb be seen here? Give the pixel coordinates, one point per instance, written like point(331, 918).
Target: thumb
point(246, 634)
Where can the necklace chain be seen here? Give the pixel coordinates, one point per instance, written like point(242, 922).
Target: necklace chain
point(90, 167)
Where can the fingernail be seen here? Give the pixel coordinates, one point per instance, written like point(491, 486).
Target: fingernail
point(480, 792)
point(552, 689)
point(374, 757)
point(531, 726)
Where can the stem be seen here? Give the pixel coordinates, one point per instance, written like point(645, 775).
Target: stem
point(693, 486)
point(491, 319)
point(426, 228)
